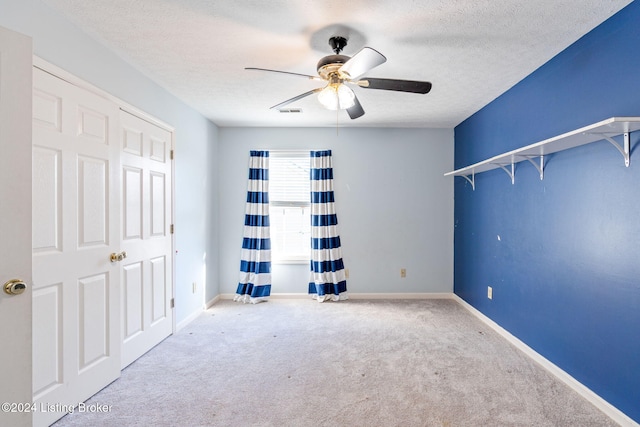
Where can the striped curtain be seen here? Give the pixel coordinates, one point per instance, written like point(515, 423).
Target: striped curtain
point(327, 279)
point(255, 262)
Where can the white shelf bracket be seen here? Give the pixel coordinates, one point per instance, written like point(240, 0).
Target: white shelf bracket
point(471, 180)
point(539, 167)
point(511, 172)
point(624, 149)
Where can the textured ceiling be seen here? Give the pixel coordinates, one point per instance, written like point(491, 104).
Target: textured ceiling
point(471, 50)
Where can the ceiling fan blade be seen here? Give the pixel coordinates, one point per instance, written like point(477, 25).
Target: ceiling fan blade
point(356, 110)
point(284, 72)
point(295, 98)
point(412, 86)
point(363, 61)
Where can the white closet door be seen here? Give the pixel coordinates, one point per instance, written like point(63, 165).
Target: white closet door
point(76, 223)
point(147, 315)
point(15, 226)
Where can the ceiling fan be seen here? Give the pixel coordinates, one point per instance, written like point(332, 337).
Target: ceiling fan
point(339, 70)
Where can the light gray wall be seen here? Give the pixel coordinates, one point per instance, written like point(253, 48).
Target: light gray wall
point(59, 42)
point(394, 206)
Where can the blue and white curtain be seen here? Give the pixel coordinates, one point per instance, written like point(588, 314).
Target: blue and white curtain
point(255, 263)
point(327, 279)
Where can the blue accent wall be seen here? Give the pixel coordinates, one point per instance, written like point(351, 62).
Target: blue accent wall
point(562, 254)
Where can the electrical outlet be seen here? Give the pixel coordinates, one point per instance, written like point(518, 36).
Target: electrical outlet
point(194, 286)
point(346, 273)
point(489, 292)
point(403, 272)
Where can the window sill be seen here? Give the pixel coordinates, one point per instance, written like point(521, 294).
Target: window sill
point(290, 261)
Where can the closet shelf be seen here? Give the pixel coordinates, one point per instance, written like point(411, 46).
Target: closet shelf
point(535, 153)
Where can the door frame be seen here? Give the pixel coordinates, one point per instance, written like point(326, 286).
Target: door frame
point(125, 106)
point(16, 393)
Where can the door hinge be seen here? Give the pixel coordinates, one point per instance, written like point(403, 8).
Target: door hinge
point(171, 229)
point(171, 154)
point(173, 302)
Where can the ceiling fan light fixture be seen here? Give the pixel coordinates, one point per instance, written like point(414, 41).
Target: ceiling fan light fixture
point(337, 96)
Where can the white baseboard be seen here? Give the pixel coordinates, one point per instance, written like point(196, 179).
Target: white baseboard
point(611, 411)
point(193, 316)
point(352, 295)
point(212, 301)
point(400, 295)
point(184, 322)
point(296, 295)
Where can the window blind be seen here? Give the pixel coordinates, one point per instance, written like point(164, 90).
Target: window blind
point(289, 201)
point(289, 180)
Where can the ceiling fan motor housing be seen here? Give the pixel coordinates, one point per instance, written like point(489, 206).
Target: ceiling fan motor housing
point(330, 64)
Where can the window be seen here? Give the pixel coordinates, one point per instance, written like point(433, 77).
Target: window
point(289, 206)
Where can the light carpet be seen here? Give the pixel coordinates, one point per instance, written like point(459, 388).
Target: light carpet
point(350, 363)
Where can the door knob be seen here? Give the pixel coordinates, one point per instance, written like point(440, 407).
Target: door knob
point(15, 287)
point(114, 257)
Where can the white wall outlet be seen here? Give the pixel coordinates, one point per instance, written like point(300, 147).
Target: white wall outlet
point(403, 272)
point(346, 273)
point(194, 286)
point(489, 292)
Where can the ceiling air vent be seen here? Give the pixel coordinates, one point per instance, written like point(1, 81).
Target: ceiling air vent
point(290, 110)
